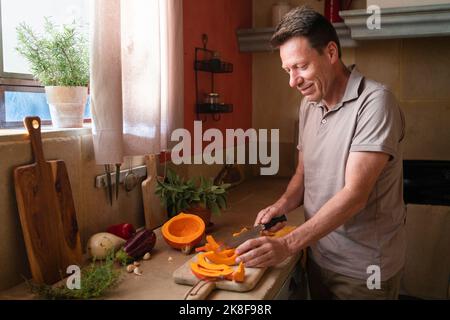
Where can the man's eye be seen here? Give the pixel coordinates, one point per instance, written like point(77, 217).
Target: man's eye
point(304, 67)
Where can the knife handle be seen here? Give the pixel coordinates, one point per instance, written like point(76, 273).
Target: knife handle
point(274, 221)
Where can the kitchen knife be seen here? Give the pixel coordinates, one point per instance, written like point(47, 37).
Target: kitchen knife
point(254, 232)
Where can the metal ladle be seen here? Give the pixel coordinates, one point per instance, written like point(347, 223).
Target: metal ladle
point(131, 179)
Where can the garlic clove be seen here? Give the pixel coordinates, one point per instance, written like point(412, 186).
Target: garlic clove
point(130, 268)
point(136, 263)
point(137, 271)
point(147, 256)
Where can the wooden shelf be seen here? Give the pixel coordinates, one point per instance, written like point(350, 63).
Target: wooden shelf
point(214, 108)
point(213, 65)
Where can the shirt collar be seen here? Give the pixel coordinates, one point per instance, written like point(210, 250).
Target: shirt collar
point(351, 91)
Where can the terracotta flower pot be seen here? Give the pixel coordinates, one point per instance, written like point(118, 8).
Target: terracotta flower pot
point(203, 213)
point(67, 105)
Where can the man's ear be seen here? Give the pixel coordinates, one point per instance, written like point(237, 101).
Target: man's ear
point(332, 52)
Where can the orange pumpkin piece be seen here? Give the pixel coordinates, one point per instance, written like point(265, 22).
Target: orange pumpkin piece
point(242, 231)
point(225, 253)
point(201, 249)
point(282, 232)
point(211, 244)
point(201, 261)
point(203, 273)
point(239, 274)
point(183, 231)
point(218, 259)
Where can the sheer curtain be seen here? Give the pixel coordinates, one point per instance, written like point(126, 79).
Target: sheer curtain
point(136, 76)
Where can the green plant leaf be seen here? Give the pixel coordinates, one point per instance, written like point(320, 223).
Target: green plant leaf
point(59, 57)
point(221, 202)
point(214, 208)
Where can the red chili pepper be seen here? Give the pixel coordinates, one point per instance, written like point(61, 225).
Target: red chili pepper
point(123, 230)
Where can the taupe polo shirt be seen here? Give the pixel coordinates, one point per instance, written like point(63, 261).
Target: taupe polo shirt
point(367, 119)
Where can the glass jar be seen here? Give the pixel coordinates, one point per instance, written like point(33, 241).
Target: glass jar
point(279, 9)
point(212, 98)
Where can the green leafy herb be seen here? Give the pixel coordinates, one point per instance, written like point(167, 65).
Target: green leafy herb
point(60, 57)
point(96, 279)
point(178, 195)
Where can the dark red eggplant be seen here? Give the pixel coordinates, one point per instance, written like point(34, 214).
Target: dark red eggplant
point(142, 242)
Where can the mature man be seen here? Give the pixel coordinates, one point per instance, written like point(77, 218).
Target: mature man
point(349, 173)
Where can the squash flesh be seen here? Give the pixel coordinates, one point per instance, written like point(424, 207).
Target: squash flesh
point(217, 259)
point(215, 265)
point(183, 230)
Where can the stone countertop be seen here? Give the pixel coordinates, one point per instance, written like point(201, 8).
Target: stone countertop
point(156, 282)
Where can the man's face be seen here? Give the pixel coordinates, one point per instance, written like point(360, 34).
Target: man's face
point(309, 71)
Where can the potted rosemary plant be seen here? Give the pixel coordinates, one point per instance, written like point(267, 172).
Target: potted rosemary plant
point(197, 196)
point(59, 59)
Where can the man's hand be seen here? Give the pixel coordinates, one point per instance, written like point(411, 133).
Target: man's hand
point(262, 252)
point(265, 215)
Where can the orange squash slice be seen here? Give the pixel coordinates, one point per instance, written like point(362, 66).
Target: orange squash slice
point(201, 261)
point(203, 273)
point(219, 259)
point(239, 274)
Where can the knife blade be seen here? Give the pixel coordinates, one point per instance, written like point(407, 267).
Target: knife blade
point(254, 232)
point(109, 183)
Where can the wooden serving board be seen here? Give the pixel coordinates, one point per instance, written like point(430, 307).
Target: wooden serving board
point(184, 275)
point(155, 215)
point(47, 212)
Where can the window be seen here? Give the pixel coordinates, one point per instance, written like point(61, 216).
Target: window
point(20, 95)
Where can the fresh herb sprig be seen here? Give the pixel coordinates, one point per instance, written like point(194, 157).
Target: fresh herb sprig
point(96, 279)
point(178, 195)
point(59, 57)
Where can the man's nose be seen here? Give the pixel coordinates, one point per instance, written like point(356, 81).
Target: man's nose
point(295, 80)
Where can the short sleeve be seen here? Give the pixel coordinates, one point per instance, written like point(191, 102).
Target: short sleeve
point(301, 123)
point(380, 126)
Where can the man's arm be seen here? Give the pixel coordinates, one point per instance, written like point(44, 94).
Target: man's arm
point(291, 199)
point(362, 171)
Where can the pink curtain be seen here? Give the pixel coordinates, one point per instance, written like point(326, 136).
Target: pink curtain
point(136, 76)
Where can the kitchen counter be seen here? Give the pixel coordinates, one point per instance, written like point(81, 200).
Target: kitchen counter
point(156, 283)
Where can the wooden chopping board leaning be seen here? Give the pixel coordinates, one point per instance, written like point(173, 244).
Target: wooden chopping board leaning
point(155, 215)
point(47, 212)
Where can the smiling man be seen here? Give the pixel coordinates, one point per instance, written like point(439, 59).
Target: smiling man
point(349, 173)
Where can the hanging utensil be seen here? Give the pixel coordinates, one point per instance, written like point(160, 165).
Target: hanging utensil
point(131, 179)
point(117, 179)
point(109, 183)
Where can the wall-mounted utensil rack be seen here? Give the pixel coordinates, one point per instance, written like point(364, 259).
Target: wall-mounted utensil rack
point(209, 64)
point(101, 180)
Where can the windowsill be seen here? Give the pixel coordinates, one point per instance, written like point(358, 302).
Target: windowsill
point(20, 134)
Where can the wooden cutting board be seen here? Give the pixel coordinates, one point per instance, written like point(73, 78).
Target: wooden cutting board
point(202, 289)
point(155, 215)
point(47, 212)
